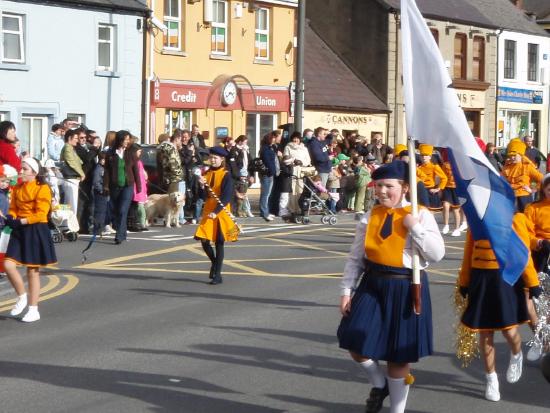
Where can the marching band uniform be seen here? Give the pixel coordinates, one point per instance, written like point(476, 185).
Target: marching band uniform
point(422, 194)
point(520, 174)
point(494, 305)
point(221, 228)
point(430, 171)
point(381, 324)
point(449, 192)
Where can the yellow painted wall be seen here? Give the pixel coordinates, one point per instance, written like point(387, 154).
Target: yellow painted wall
point(197, 64)
point(365, 124)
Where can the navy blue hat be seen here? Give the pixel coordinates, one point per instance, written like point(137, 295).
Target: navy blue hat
point(393, 170)
point(218, 150)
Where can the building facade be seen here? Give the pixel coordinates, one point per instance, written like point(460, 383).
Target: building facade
point(224, 65)
point(88, 66)
point(522, 100)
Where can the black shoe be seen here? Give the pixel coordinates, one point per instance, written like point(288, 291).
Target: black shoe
point(117, 241)
point(144, 229)
point(376, 399)
point(211, 275)
point(215, 281)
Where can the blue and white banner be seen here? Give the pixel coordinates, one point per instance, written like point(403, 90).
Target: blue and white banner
point(434, 117)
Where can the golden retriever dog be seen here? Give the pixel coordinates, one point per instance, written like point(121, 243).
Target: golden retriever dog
point(165, 206)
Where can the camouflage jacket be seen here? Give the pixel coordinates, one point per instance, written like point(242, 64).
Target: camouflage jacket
point(169, 164)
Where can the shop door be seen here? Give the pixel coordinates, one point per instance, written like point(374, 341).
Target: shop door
point(473, 118)
point(517, 125)
point(257, 126)
point(535, 125)
point(33, 135)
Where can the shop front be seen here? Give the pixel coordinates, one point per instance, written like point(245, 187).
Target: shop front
point(522, 112)
point(364, 124)
point(226, 107)
point(473, 105)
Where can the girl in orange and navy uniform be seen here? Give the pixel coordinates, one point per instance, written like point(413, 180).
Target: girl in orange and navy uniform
point(216, 225)
point(494, 305)
point(538, 213)
point(30, 241)
point(423, 197)
point(450, 198)
point(519, 171)
point(430, 171)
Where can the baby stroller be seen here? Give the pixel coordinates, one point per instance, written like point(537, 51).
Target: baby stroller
point(63, 224)
point(313, 200)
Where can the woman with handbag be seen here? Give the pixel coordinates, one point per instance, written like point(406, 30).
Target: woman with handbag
point(71, 169)
point(121, 173)
point(217, 224)
point(378, 322)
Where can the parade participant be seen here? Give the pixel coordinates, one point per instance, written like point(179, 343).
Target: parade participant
point(378, 322)
point(216, 225)
point(30, 241)
point(538, 214)
point(423, 195)
point(519, 171)
point(494, 305)
point(450, 198)
point(429, 173)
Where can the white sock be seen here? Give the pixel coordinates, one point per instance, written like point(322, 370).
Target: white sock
point(491, 376)
point(24, 295)
point(374, 373)
point(33, 308)
point(398, 395)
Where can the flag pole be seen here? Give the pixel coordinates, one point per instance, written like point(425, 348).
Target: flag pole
point(415, 284)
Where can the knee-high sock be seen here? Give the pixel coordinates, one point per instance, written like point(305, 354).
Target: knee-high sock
point(374, 373)
point(398, 395)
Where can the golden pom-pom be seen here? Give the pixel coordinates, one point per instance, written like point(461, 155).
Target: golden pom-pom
point(409, 379)
point(466, 343)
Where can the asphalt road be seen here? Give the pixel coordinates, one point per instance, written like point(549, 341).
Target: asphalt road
point(137, 329)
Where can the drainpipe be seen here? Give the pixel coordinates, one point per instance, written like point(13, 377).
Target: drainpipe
point(149, 80)
point(497, 140)
point(396, 112)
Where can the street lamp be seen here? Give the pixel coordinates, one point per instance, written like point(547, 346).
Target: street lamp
point(299, 84)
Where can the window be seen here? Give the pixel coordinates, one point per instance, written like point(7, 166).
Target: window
point(435, 34)
point(509, 59)
point(13, 41)
point(172, 15)
point(478, 64)
point(177, 119)
point(219, 27)
point(106, 40)
point(532, 62)
point(77, 117)
point(4, 116)
point(460, 56)
point(261, 44)
point(34, 131)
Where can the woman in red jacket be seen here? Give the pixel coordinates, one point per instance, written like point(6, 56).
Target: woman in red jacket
point(7, 148)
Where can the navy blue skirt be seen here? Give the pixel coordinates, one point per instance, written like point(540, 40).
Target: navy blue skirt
point(492, 303)
point(381, 324)
point(32, 246)
point(434, 200)
point(449, 195)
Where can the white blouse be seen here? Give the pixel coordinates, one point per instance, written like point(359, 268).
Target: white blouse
point(426, 236)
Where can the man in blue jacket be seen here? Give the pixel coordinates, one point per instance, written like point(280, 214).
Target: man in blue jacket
point(318, 150)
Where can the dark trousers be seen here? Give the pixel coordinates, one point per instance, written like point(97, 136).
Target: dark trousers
point(523, 201)
point(216, 258)
point(84, 212)
point(121, 197)
point(101, 203)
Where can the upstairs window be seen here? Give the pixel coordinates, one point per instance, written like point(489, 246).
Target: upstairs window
point(13, 41)
point(478, 63)
point(509, 59)
point(219, 27)
point(172, 20)
point(532, 62)
point(261, 44)
point(106, 36)
point(460, 55)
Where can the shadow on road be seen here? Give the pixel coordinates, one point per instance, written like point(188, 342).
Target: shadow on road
point(314, 337)
point(156, 390)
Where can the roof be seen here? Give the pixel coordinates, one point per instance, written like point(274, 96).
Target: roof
point(135, 6)
point(540, 8)
point(498, 14)
point(331, 84)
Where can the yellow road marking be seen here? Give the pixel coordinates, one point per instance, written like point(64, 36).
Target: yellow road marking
point(53, 282)
point(311, 247)
point(207, 261)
